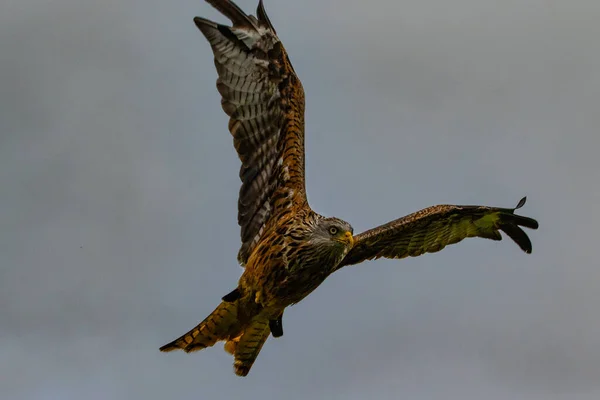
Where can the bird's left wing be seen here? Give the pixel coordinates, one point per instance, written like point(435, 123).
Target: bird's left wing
point(433, 228)
point(265, 102)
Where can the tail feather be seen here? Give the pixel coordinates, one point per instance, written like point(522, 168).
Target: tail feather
point(249, 345)
point(243, 337)
point(231, 344)
point(217, 326)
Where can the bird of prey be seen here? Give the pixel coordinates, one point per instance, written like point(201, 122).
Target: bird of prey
point(288, 249)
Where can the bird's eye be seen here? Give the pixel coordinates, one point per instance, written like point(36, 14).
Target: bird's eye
point(333, 230)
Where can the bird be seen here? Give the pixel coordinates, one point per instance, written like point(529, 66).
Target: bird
point(287, 249)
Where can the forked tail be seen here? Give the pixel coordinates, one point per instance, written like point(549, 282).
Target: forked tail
point(242, 339)
point(221, 324)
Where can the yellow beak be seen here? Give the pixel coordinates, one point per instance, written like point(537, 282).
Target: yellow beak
point(349, 238)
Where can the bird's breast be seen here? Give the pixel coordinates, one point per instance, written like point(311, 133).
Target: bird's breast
point(286, 275)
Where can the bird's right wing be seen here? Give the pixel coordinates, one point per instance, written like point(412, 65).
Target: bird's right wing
point(265, 102)
point(433, 228)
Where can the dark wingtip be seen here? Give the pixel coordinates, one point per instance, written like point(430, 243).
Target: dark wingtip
point(263, 17)
point(234, 13)
point(521, 203)
point(207, 27)
point(518, 236)
point(201, 23)
point(520, 220)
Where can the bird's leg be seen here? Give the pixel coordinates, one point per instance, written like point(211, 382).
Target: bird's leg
point(276, 326)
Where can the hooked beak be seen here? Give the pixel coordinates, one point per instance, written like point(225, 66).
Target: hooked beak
point(349, 238)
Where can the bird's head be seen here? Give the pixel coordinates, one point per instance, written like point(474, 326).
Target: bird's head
point(333, 232)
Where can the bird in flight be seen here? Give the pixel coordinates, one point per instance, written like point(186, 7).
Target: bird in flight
point(288, 249)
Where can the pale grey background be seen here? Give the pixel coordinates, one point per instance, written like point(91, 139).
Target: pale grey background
point(119, 187)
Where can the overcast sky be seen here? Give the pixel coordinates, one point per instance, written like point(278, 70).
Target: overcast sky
point(119, 189)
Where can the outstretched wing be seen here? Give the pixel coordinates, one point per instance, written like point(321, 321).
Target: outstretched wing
point(433, 228)
point(265, 102)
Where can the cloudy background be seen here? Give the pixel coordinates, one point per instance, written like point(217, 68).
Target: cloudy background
point(119, 187)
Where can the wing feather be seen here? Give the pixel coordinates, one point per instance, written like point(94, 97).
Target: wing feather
point(433, 228)
point(264, 99)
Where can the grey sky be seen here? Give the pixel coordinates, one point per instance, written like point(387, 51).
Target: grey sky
point(119, 189)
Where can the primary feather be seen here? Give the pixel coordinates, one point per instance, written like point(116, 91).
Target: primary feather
point(433, 228)
point(287, 249)
point(265, 102)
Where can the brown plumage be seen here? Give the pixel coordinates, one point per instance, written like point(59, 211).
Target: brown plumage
point(265, 102)
point(433, 228)
point(287, 249)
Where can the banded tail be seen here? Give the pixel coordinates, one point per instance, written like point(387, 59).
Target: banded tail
point(221, 324)
point(242, 339)
point(247, 346)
